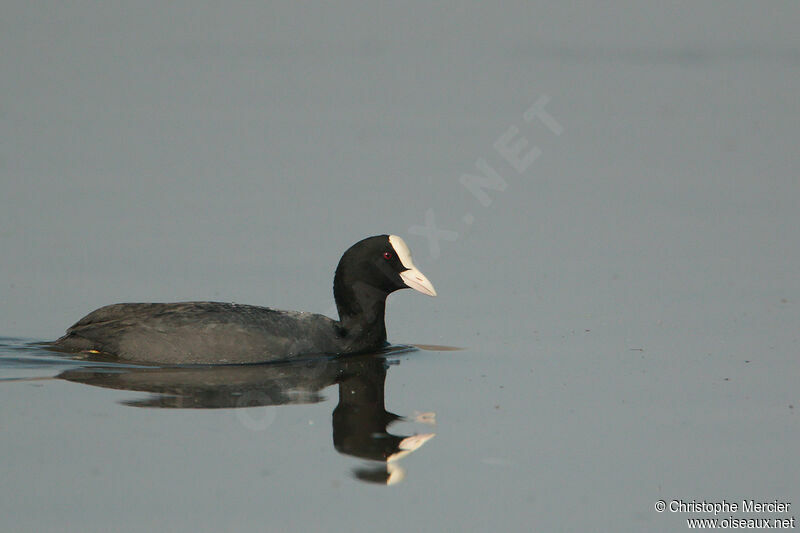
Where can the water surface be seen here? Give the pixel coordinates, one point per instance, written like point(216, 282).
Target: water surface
point(625, 287)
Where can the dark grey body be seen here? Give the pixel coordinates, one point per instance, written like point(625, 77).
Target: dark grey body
point(206, 333)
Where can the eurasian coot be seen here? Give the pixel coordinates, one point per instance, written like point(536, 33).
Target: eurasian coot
point(220, 333)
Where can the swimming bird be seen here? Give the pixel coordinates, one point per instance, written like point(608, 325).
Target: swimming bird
point(226, 333)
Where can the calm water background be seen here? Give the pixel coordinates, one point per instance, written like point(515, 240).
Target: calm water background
point(627, 301)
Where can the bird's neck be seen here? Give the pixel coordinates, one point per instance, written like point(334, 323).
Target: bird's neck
point(366, 328)
point(361, 312)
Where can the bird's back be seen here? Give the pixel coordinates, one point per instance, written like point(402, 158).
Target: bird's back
point(200, 332)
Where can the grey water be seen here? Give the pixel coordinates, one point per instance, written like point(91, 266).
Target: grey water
point(605, 198)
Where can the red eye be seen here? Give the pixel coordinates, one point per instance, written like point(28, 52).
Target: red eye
point(387, 255)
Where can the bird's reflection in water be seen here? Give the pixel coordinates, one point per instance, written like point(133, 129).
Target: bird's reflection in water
point(360, 420)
